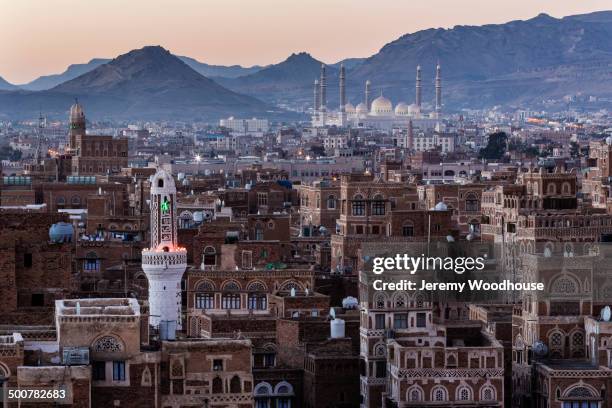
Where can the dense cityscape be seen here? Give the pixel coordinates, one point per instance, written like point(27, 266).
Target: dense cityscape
point(228, 263)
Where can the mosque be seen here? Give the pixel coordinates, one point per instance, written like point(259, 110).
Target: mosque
point(375, 113)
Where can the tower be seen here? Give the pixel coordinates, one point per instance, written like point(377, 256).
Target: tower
point(368, 94)
point(77, 124)
point(317, 98)
point(164, 262)
point(342, 88)
point(418, 87)
point(323, 83)
point(438, 90)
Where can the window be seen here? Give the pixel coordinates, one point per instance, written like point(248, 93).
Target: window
point(257, 301)
point(331, 202)
point(400, 321)
point(408, 230)
point(381, 369)
point(472, 203)
point(421, 319)
point(379, 321)
point(204, 301)
point(378, 205)
point(358, 205)
point(247, 259)
point(209, 256)
point(98, 370)
point(27, 260)
point(283, 403)
point(262, 198)
point(91, 262)
point(230, 301)
point(38, 299)
point(118, 370)
point(217, 365)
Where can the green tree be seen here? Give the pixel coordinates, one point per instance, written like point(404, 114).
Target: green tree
point(495, 148)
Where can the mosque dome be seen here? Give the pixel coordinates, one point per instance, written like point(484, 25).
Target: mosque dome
point(349, 108)
point(401, 109)
point(440, 207)
point(76, 112)
point(414, 109)
point(362, 108)
point(60, 232)
point(381, 106)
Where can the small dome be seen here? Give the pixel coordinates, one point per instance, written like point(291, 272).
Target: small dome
point(361, 108)
point(441, 207)
point(414, 109)
point(60, 233)
point(401, 109)
point(349, 108)
point(381, 106)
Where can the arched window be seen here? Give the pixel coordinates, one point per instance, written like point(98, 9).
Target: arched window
point(91, 262)
point(379, 301)
point(331, 202)
point(564, 285)
point(551, 189)
point(217, 385)
point(566, 188)
point(205, 297)
point(472, 203)
point(358, 205)
point(400, 301)
point(60, 200)
point(577, 344)
point(439, 393)
point(464, 393)
point(257, 298)
point(380, 350)
point(556, 343)
point(235, 385)
point(75, 200)
point(230, 298)
point(415, 393)
point(209, 257)
point(487, 393)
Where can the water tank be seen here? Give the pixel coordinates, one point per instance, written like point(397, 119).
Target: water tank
point(61, 232)
point(181, 176)
point(337, 329)
point(167, 330)
point(350, 302)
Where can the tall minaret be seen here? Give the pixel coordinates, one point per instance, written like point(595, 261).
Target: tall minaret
point(418, 87)
point(342, 88)
point(368, 90)
point(77, 124)
point(438, 90)
point(323, 84)
point(164, 262)
point(317, 98)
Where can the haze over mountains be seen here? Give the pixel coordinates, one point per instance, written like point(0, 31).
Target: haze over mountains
point(519, 63)
point(147, 83)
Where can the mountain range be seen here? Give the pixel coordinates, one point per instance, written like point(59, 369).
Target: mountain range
point(519, 63)
point(148, 83)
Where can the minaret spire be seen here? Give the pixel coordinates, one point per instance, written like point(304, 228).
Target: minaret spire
point(368, 90)
point(323, 84)
point(342, 88)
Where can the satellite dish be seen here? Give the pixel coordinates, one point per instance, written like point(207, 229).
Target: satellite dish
point(605, 314)
point(540, 349)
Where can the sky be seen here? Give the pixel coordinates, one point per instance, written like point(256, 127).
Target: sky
point(41, 37)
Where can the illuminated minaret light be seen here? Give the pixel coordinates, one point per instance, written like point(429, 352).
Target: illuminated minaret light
point(368, 93)
point(418, 87)
point(164, 262)
point(438, 90)
point(342, 88)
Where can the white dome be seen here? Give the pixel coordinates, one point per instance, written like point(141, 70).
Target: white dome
point(414, 109)
point(381, 106)
point(349, 108)
point(361, 108)
point(401, 109)
point(441, 207)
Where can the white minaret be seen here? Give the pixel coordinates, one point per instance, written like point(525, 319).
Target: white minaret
point(368, 91)
point(418, 87)
point(164, 262)
point(438, 91)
